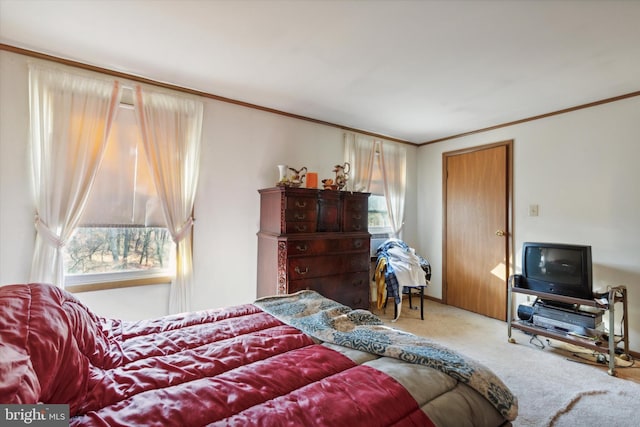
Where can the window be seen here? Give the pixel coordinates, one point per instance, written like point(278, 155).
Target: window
point(93, 252)
point(122, 235)
point(378, 214)
point(379, 222)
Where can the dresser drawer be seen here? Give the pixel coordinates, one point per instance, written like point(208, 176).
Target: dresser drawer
point(300, 227)
point(356, 202)
point(327, 246)
point(355, 212)
point(350, 289)
point(300, 215)
point(301, 203)
point(325, 265)
point(355, 221)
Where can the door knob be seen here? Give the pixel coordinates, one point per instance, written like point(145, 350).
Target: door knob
point(500, 233)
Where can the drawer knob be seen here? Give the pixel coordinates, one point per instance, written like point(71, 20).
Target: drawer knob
point(300, 204)
point(357, 244)
point(300, 216)
point(302, 227)
point(306, 270)
point(356, 216)
point(357, 227)
point(302, 248)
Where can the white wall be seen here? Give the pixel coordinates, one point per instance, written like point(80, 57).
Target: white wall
point(17, 232)
point(581, 168)
point(241, 148)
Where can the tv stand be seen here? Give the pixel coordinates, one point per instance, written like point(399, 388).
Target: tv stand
point(607, 303)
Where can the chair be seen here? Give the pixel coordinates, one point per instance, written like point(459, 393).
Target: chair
point(402, 271)
point(408, 290)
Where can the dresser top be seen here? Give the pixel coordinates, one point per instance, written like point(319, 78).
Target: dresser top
point(307, 191)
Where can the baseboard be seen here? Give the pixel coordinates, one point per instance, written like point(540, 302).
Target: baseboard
point(439, 300)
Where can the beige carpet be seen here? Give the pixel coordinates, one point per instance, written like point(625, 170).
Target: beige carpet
point(558, 385)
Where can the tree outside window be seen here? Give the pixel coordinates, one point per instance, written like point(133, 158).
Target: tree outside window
point(122, 233)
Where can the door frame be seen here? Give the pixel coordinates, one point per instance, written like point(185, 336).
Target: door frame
point(509, 250)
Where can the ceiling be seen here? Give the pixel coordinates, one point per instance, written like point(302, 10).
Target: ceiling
point(414, 70)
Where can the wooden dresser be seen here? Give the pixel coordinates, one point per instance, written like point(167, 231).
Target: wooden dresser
point(314, 239)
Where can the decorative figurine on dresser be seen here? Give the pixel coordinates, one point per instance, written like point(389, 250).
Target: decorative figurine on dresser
point(314, 239)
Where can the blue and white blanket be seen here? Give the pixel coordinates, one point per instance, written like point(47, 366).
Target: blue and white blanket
point(329, 321)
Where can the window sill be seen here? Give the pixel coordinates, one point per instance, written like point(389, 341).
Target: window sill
point(378, 232)
point(128, 283)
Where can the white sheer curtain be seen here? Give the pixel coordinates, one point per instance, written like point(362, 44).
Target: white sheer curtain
point(171, 132)
point(360, 153)
point(71, 115)
point(393, 161)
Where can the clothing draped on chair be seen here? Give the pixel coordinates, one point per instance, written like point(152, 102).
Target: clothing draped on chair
point(398, 266)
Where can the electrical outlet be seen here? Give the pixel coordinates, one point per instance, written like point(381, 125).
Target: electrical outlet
point(533, 210)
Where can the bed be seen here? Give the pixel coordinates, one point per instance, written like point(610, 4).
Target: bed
point(298, 359)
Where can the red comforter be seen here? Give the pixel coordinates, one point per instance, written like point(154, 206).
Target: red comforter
point(236, 366)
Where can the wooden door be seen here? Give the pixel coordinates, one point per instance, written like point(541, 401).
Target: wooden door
point(477, 206)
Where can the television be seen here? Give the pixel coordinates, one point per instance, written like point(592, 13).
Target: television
point(557, 268)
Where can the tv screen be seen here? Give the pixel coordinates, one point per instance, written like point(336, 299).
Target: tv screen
point(557, 268)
